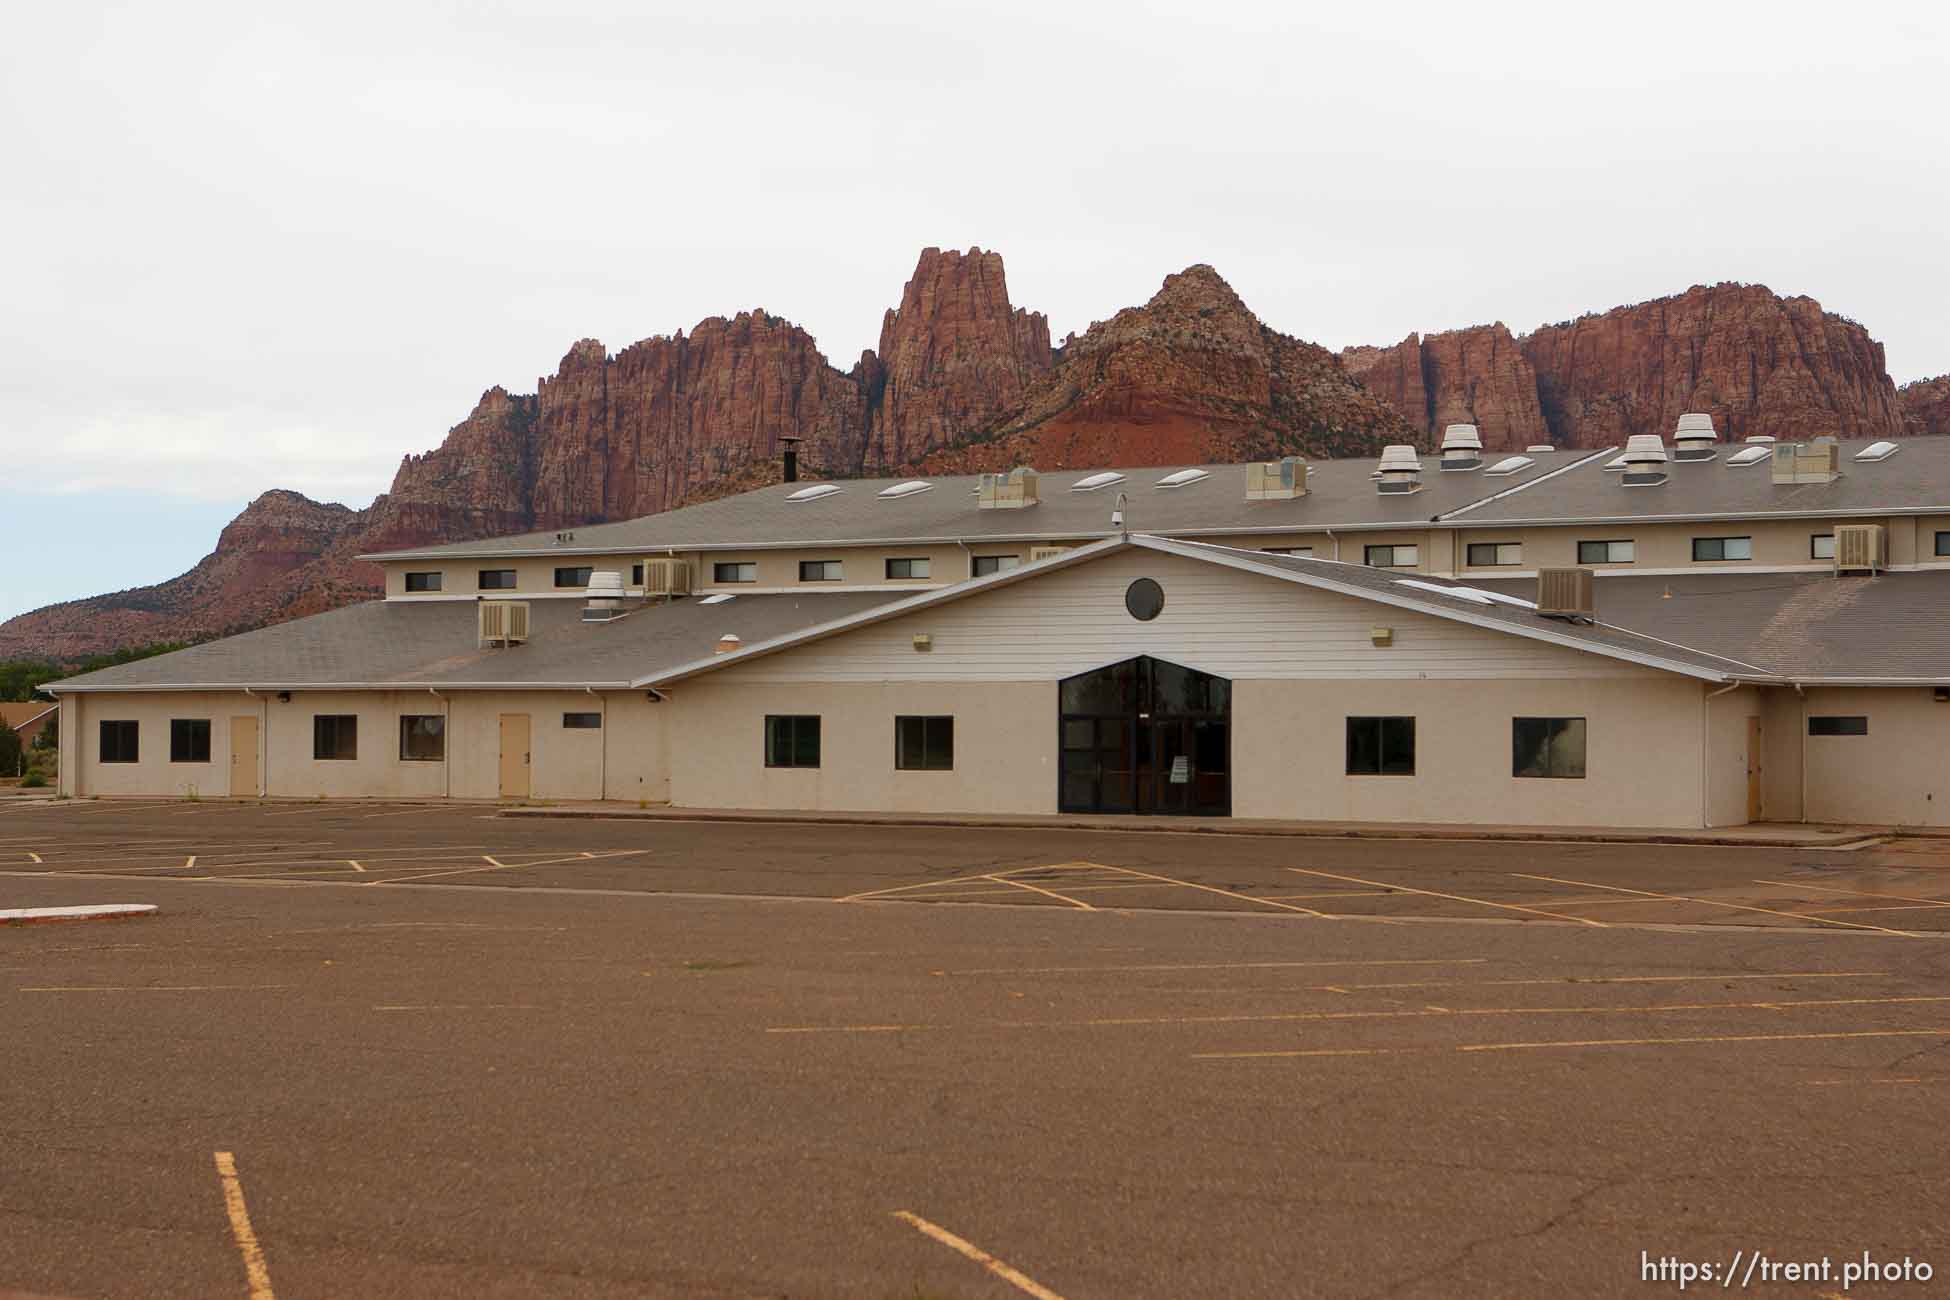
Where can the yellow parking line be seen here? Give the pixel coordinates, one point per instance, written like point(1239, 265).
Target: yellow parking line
point(1228, 893)
point(1710, 902)
point(149, 988)
point(1014, 1277)
point(1458, 898)
point(1218, 965)
point(496, 865)
point(255, 1268)
point(1046, 893)
point(1858, 893)
point(1422, 1013)
point(1576, 1042)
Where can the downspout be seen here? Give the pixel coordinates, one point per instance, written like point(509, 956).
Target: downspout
point(969, 556)
point(1336, 541)
point(602, 784)
point(1801, 694)
point(446, 744)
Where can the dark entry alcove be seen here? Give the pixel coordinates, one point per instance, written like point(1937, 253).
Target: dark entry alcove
point(1145, 736)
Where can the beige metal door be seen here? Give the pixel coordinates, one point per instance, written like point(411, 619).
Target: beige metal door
point(243, 756)
point(514, 756)
point(1753, 770)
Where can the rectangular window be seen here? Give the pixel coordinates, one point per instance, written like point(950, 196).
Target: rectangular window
point(423, 581)
point(120, 741)
point(924, 744)
point(1723, 548)
point(334, 736)
point(1821, 546)
point(582, 721)
point(914, 568)
point(1943, 543)
point(740, 572)
point(1607, 552)
point(1381, 747)
point(987, 564)
point(1488, 554)
point(422, 738)
point(791, 741)
point(636, 575)
point(819, 570)
point(189, 740)
point(497, 580)
point(1304, 552)
point(577, 576)
point(1391, 557)
point(1547, 747)
point(1838, 726)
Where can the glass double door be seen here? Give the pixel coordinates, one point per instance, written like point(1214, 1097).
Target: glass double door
point(1146, 736)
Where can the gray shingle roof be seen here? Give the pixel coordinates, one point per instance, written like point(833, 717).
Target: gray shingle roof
point(1916, 477)
point(1341, 494)
point(433, 643)
point(1800, 625)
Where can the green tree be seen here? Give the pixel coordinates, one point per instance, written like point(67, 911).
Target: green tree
point(11, 759)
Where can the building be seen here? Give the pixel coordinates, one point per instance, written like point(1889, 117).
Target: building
point(28, 719)
point(1338, 640)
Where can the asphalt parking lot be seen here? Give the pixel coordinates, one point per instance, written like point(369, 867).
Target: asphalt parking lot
point(387, 1051)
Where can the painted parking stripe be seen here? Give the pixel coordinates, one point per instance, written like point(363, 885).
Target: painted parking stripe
point(1013, 1276)
point(1711, 902)
point(1690, 1040)
point(1860, 893)
point(255, 1269)
point(1421, 1013)
point(1454, 898)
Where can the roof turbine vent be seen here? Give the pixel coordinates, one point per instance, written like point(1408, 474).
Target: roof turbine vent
point(1694, 438)
point(1644, 460)
point(605, 597)
point(1462, 447)
point(1400, 472)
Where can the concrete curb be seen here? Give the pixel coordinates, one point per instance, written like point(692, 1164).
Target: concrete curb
point(93, 912)
point(1855, 838)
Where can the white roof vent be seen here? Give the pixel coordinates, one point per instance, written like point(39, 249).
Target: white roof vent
point(1462, 447)
point(913, 487)
point(1183, 478)
point(1749, 456)
point(1544, 448)
point(1877, 451)
point(1645, 460)
point(1615, 465)
point(729, 642)
point(817, 492)
point(1400, 470)
point(605, 596)
point(1095, 481)
point(1762, 438)
point(1694, 438)
point(719, 598)
point(1509, 465)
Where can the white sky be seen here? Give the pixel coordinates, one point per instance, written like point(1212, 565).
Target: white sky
point(255, 245)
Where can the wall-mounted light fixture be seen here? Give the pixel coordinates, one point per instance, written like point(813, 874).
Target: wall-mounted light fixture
point(1382, 636)
point(923, 642)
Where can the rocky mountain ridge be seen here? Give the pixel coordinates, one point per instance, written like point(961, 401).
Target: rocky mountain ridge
point(963, 380)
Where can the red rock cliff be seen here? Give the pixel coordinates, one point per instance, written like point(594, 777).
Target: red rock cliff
point(1926, 405)
point(954, 356)
point(1757, 362)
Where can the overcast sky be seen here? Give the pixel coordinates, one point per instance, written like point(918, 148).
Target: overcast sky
point(253, 246)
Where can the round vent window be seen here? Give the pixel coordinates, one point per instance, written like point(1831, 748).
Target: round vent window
point(1144, 598)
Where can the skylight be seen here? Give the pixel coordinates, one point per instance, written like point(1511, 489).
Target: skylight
point(1509, 465)
point(1877, 451)
point(1183, 478)
point(913, 487)
point(816, 492)
point(1095, 481)
point(719, 598)
point(1469, 594)
point(1750, 455)
point(1500, 598)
